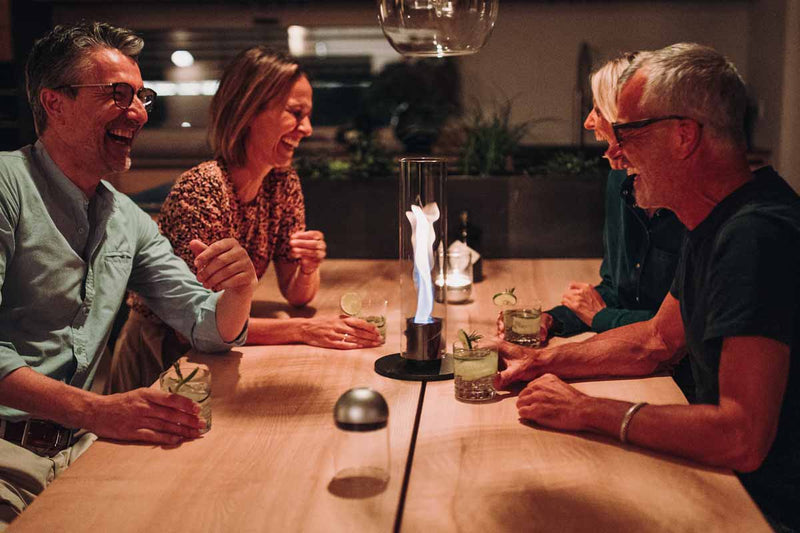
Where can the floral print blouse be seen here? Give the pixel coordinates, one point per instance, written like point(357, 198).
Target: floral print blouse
point(203, 205)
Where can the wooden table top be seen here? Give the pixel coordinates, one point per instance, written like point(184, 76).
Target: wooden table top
point(267, 463)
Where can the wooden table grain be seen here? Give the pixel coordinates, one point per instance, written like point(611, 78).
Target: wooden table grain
point(477, 467)
point(267, 462)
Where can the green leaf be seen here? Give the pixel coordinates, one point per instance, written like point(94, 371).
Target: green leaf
point(177, 368)
point(467, 340)
point(184, 380)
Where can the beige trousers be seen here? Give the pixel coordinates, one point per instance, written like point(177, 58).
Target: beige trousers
point(143, 350)
point(24, 474)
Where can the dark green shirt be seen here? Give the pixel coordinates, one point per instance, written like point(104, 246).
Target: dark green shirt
point(739, 275)
point(639, 260)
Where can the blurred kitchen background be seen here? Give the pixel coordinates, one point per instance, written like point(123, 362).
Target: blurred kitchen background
point(526, 90)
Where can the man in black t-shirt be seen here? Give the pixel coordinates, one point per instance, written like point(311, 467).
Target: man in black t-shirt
point(734, 306)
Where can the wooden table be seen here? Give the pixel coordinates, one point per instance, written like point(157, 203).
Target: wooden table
point(267, 462)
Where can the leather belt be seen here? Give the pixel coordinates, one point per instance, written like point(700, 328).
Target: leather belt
point(42, 437)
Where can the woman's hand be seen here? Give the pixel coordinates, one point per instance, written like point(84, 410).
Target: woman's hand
point(584, 300)
point(310, 248)
point(342, 332)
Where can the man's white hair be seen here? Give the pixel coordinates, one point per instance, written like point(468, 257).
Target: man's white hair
point(695, 81)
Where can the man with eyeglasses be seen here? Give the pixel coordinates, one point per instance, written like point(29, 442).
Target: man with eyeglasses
point(734, 305)
point(70, 246)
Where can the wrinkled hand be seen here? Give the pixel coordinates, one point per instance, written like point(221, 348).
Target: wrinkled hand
point(342, 332)
point(550, 402)
point(309, 247)
point(146, 415)
point(544, 328)
point(515, 362)
point(584, 300)
point(223, 265)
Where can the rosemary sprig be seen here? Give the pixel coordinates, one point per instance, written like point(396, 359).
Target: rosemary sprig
point(183, 380)
point(473, 337)
point(468, 339)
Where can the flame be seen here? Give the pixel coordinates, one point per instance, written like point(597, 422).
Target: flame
point(422, 219)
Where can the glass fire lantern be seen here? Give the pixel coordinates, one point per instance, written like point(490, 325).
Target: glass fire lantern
point(423, 238)
point(437, 28)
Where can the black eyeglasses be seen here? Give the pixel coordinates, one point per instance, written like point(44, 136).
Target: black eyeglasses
point(123, 94)
point(619, 127)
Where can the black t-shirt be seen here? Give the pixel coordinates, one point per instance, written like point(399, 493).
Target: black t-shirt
point(739, 275)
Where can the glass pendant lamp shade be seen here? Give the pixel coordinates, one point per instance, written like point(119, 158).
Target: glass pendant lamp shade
point(437, 28)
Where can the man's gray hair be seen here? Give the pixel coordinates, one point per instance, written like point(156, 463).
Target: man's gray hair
point(60, 58)
point(696, 81)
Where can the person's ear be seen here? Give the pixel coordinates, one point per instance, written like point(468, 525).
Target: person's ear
point(53, 103)
point(689, 136)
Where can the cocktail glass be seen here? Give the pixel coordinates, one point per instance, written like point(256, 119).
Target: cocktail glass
point(522, 325)
point(474, 369)
point(373, 310)
point(192, 381)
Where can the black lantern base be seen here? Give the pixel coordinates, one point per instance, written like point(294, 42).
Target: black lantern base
point(395, 366)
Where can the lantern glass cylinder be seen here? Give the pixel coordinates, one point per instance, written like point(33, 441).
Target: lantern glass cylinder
point(423, 239)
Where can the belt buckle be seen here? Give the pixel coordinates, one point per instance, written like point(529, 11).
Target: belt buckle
point(45, 438)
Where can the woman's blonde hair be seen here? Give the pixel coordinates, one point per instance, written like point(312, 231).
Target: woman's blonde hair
point(604, 84)
point(255, 78)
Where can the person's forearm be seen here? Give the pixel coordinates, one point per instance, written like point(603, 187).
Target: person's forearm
point(43, 397)
point(302, 288)
point(633, 350)
point(704, 433)
point(233, 310)
point(275, 330)
point(612, 317)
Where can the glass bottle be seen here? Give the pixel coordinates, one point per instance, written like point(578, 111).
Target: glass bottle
point(361, 456)
point(470, 235)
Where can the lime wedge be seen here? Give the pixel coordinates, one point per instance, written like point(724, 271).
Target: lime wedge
point(350, 303)
point(464, 339)
point(505, 298)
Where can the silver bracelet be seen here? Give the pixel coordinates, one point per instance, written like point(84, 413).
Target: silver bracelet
point(626, 421)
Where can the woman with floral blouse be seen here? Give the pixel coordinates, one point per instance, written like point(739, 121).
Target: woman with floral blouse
point(248, 192)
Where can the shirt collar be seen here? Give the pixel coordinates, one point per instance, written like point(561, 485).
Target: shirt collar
point(765, 183)
point(626, 191)
point(60, 181)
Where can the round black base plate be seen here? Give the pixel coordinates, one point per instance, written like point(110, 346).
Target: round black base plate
point(396, 367)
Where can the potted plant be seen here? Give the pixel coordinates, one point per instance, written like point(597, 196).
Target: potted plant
point(490, 142)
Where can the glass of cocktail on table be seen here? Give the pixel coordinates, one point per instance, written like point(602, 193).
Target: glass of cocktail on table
point(192, 381)
point(474, 368)
point(368, 307)
point(521, 323)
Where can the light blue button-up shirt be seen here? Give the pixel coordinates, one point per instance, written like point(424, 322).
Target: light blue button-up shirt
point(65, 265)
